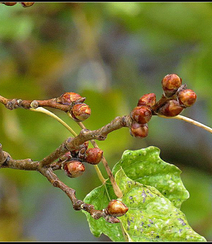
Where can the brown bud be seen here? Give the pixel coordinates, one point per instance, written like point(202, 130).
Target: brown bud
point(116, 208)
point(171, 108)
point(27, 4)
point(147, 99)
point(69, 97)
point(9, 3)
point(171, 83)
point(80, 112)
point(187, 97)
point(139, 130)
point(93, 155)
point(74, 168)
point(141, 114)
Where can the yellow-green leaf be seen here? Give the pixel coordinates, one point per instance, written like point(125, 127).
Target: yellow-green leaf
point(146, 166)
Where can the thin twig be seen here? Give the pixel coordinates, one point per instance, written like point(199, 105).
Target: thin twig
point(27, 104)
point(189, 120)
point(77, 204)
point(45, 111)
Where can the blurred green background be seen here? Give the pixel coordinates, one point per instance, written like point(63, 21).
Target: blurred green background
point(111, 53)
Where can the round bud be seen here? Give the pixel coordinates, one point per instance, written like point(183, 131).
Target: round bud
point(27, 4)
point(187, 97)
point(69, 97)
point(9, 3)
point(147, 99)
point(80, 112)
point(139, 130)
point(141, 114)
point(93, 155)
point(116, 208)
point(74, 168)
point(171, 108)
point(171, 83)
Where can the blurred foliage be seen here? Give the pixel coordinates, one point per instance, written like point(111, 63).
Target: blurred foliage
point(111, 53)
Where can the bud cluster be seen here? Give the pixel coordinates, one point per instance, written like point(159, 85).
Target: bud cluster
point(175, 98)
point(141, 115)
point(179, 96)
point(79, 110)
point(24, 4)
point(72, 161)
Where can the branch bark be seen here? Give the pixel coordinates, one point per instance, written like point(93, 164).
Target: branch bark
point(27, 104)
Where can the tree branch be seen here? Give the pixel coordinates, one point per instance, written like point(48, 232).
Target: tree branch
point(6, 161)
point(47, 165)
point(86, 135)
point(27, 104)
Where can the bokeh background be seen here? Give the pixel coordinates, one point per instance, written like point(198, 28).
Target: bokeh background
point(111, 53)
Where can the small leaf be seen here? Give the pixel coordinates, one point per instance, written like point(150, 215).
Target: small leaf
point(146, 166)
point(151, 216)
point(99, 198)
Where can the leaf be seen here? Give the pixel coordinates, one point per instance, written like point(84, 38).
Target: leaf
point(98, 197)
point(151, 216)
point(146, 166)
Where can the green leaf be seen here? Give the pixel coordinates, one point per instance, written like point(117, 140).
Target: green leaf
point(151, 216)
point(99, 198)
point(145, 166)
